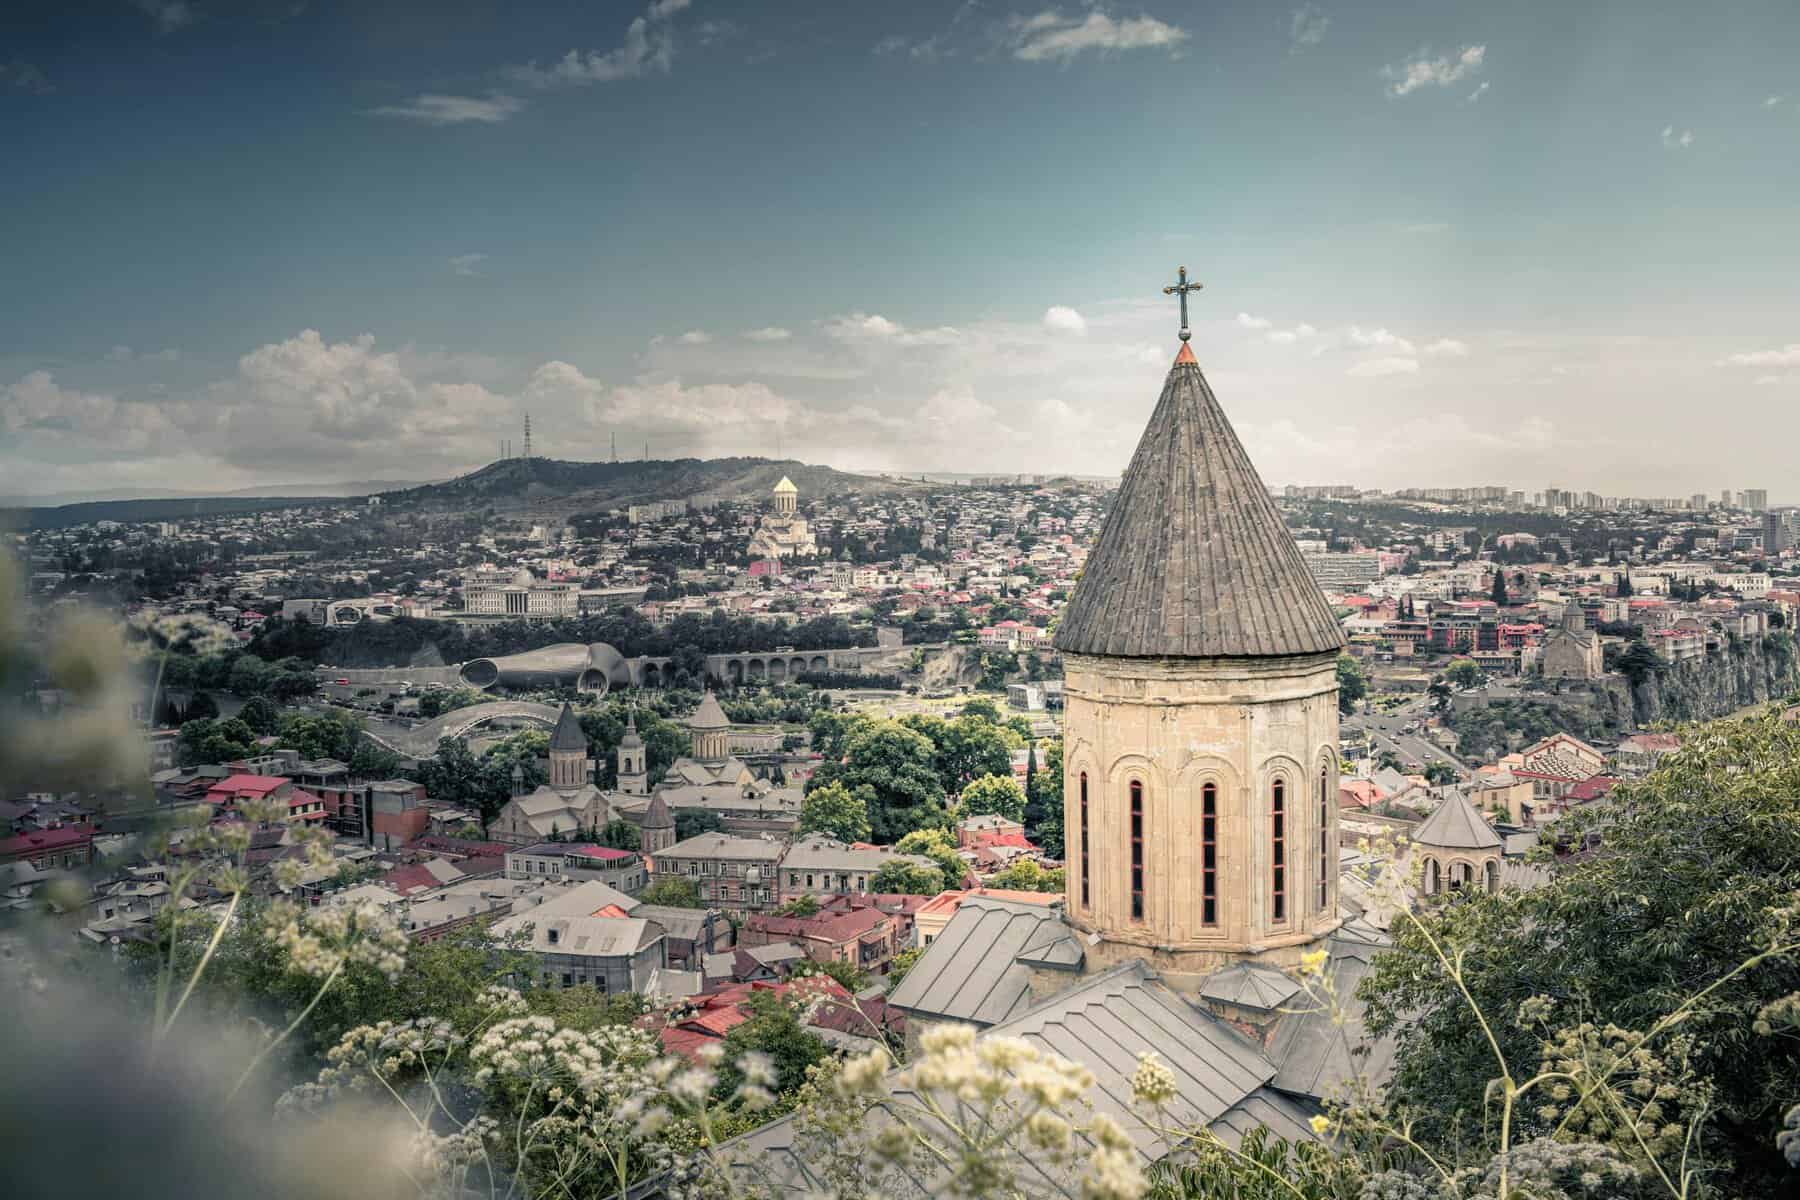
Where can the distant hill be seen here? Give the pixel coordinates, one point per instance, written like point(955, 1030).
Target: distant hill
point(128, 512)
point(282, 491)
point(521, 484)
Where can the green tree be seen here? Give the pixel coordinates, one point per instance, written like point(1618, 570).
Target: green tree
point(852, 977)
point(1439, 691)
point(200, 707)
point(210, 741)
point(1352, 685)
point(1688, 874)
point(1464, 673)
point(829, 731)
point(672, 891)
point(620, 834)
point(901, 964)
point(261, 714)
point(1044, 806)
point(692, 822)
point(774, 1029)
point(940, 847)
point(898, 764)
point(982, 709)
point(1026, 875)
point(1498, 593)
point(1639, 662)
point(999, 794)
point(800, 906)
point(907, 878)
point(371, 761)
point(835, 810)
point(1439, 773)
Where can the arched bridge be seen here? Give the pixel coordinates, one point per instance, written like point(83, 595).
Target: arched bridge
point(421, 740)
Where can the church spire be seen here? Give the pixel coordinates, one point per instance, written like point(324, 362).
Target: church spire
point(1194, 560)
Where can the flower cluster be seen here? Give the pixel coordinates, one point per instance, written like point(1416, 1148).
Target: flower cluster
point(323, 941)
point(1608, 1086)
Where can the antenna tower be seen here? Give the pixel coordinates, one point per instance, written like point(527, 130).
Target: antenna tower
point(527, 453)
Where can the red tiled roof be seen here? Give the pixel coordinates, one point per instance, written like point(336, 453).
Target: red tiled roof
point(248, 785)
point(39, 840)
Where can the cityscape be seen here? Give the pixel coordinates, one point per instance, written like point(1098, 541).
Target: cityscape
point(623, 735)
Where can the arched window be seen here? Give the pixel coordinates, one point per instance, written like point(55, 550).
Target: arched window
point(1324, 835)
point(1137, 850)
point(1084, 841)
point(1493, 876)
point(1209, 854)
point(1431, 877)
point(1278, 849)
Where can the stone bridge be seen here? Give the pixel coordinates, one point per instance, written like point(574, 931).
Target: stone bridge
point(779, 666)
point(421, 740)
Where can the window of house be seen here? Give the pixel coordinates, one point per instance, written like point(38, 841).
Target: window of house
point(1084, 841)
point(1278, 849)
point(1137, 850)
point(1209, 854)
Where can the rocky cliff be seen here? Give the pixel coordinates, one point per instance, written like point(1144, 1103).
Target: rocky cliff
point(1745, 672)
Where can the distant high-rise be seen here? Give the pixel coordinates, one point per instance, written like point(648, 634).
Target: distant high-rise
point(1756, 499)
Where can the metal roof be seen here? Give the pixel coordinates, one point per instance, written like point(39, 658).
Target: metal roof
point(1249, 985)
point(1103, 1023)
point(1455, 825)
point(568, 735)
point(709, 715)
point(1315, 1056)
point(1194, 560)
point(970, 971)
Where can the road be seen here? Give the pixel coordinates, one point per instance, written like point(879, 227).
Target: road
point(1384, 730)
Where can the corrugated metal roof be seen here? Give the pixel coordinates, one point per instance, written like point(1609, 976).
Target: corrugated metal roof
point(969, 972)
point(1248, 985)
point(1313, 1056)
point(1456, 826)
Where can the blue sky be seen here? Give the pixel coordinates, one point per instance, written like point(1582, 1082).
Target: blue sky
point(1443, 243)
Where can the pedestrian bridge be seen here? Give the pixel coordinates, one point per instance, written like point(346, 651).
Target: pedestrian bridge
point(421, 740)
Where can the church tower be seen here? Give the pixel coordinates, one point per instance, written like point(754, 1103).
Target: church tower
point(711, 730)
point(657, 831)
point(1200, 746)
point(569, 764)
point(634, 770)
point(787, 497)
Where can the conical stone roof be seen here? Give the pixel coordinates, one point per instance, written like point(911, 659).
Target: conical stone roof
point(656, 814)
point(568, 735)
point(1194, 560)
point(709, 715)
point(1456, 826)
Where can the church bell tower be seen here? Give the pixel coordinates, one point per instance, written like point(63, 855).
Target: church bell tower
point(1200, 745)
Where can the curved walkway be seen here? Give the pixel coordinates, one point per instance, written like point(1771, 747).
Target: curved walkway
point(421, 740)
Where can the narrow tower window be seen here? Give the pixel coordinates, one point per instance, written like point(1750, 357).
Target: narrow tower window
point(1278, 849)
point(1324, 834)
point(1137, 851)
point(1084, 841)
point(1209, 854)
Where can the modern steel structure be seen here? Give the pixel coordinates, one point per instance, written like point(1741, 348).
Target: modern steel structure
point(595, 668)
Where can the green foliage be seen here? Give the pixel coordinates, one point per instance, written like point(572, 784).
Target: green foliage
point(1638, 662)
point(837, 811)
point(620, 834)
point(210, 741)
point(262, 715)
point(939, 845)
point(1352, 685)
point(1044, 803)
point(1440, 773)
point(774, 1029)
point(902, 963)
point(585, 1008)
point(907, 878)
point(1695, 873)
point(799, 906)
point(692, 822)
point(853, 978)
point(997, 794)
point(672, 891)
point(1026, 875)
point(1464, 673)
point(897, 764)
point(330, 734)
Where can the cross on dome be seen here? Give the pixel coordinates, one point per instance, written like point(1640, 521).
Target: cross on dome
point(1181, 287)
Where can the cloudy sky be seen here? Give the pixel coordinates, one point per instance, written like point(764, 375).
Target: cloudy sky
point(1443, 242)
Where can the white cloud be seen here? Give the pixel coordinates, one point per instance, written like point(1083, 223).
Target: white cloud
point(467, 265)
point(1785, 356)
point(1769, 380)
point(1426, 227)
point(1246, 321)
point(1374, 368)
point(1673, 139)
point(167, 15)
point(1308, 26)
point(649, 47)
point(695, 337)
point(1059, 318)
point(1051, 37)
point(432, 108)
point(873, 327)
point(769, 333)
point(1447, 348)
point(1378, 339)
point(1422, 70)
point(1288, 337)
point(37, 406)
point(1772, 101)
point(1478, 92)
